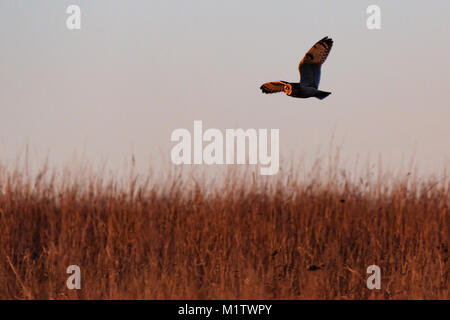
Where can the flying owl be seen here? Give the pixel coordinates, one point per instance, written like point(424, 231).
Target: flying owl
point(309, 68)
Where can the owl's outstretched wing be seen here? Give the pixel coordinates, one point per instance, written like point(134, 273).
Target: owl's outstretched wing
point(309, 67)
point(274, 86)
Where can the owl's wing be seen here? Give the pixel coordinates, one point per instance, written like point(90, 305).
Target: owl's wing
point(311, 63)
point(274, 86)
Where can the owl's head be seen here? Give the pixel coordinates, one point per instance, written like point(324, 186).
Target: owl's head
point(287, 89)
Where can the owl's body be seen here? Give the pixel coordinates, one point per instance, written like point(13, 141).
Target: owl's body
point(310, 71)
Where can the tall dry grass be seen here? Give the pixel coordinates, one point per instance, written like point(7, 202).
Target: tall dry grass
point(293, 236)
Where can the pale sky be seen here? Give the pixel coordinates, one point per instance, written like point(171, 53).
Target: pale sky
point(137, 70)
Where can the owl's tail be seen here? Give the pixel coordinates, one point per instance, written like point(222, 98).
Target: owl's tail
point(322, 94)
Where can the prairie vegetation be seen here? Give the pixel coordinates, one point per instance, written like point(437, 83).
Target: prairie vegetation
point(293, 236)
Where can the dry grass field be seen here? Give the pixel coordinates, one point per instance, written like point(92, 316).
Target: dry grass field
point(247, 237)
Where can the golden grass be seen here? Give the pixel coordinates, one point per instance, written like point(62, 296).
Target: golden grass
point(247, 237)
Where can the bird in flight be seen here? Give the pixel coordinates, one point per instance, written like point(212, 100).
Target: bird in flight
point(309, 68)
